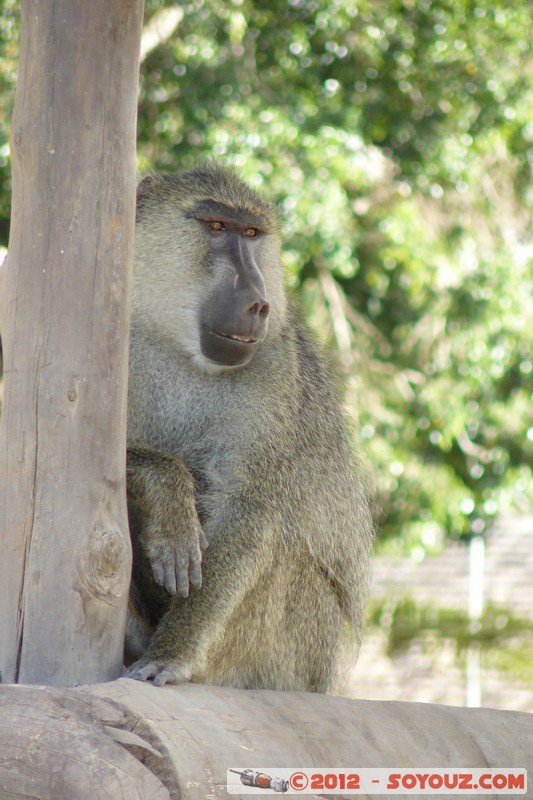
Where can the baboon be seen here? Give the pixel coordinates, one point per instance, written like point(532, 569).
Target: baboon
point(250, 509)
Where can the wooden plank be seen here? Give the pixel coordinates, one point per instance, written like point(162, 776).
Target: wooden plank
point(64, 538)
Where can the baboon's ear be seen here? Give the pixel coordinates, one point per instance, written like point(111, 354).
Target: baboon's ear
point(144, 189)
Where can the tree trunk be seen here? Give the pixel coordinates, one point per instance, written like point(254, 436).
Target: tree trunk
point(128, 740)
point(64, 542)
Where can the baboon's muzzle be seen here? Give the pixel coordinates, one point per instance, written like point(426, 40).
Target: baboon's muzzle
point(234, 321)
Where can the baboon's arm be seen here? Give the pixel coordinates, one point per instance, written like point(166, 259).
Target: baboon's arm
point(161, 500)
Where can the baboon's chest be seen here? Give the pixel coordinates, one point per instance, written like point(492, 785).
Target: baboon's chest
point(174, 408)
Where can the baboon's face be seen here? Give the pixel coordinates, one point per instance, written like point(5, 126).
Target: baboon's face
point(208, 277)
point(233, 318)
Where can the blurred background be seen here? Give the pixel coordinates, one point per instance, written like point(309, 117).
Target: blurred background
point(396, 137)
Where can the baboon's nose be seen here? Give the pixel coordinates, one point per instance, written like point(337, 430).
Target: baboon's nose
point(261, 307)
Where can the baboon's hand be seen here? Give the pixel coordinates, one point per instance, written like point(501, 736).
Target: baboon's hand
point(160, 673)
point(163, 518)
point(176, 557)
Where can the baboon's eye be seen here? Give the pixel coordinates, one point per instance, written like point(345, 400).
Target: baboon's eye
point(215, 225)
point(250, 232)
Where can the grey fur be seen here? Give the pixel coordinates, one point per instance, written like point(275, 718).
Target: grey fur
point(281, 492)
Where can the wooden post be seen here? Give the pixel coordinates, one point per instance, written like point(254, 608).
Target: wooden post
point(65, 555)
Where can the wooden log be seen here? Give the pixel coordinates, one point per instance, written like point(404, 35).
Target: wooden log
point(54, 745)
point(206, 730)
point(64, 537)
point(130, 739)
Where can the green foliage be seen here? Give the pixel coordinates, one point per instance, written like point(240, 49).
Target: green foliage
point(507, 639)
point(396, 137)
point(8, 65)
point(515, 661)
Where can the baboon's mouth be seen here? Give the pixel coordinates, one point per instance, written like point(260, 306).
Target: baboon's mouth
point(227, 349)
point(236, 338)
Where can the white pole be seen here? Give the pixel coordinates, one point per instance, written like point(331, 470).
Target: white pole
point(475, 611)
